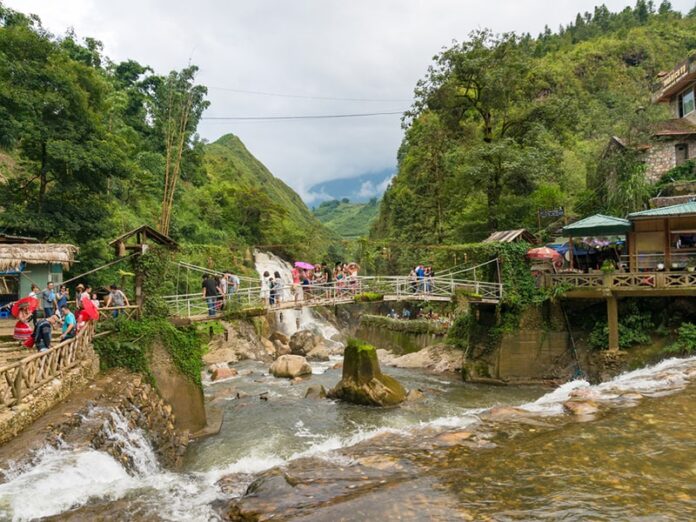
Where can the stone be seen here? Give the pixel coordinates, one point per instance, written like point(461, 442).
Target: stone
point(454, 438)
point(290, 366)
point(337, 366)
point(279, 336)
point(575, 407)
point(414, 395)
point(268, 347)
point(302, 342)
point(220, 356)
point(223, 373)
point(281, 348)
point(363, 381)
point(319, 353)
point(316, 391)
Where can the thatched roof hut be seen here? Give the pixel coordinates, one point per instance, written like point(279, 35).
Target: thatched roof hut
point(12, 255)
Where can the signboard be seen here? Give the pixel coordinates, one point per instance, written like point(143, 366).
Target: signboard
point(554, 212)
point(675, 75)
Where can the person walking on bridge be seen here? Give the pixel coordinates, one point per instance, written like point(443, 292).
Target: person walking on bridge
point(211, 291)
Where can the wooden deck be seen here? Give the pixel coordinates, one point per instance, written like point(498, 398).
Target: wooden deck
point(620, 284)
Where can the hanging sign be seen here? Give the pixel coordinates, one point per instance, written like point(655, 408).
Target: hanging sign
point(554, 212)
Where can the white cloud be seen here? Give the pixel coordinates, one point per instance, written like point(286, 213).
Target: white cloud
point(359, 49)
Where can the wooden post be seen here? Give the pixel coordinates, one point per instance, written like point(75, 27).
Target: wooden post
point(668, 246)
point(613, 322)
point(139, 298)
point(571, 251)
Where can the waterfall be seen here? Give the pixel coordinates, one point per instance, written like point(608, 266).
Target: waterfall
point(290, 321)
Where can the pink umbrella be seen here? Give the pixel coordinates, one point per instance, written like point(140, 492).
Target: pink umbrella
point(543, 253)
point(303, 265)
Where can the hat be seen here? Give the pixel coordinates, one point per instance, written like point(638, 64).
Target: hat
point(80, 286)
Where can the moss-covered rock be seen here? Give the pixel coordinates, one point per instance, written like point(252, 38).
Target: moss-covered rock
point(363, 382)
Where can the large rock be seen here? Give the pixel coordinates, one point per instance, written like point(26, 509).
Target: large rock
point(581, 407)
point(318, 353)
point(279, 336)
point(363, 382)
point(223, 373)
point(302, 342)
point(290, 366)
point(281, 348)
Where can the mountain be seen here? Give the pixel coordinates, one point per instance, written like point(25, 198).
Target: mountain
point(506, 125)
point(347, 219)
point(359, 189)
point(241, 202)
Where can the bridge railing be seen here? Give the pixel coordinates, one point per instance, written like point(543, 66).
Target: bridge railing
point(393, 288)
point(22, 377)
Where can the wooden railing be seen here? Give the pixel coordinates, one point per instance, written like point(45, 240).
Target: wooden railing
point(623, 281)
point(125, 312)
point(20, 378)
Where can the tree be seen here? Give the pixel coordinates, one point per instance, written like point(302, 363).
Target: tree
point(486, 92)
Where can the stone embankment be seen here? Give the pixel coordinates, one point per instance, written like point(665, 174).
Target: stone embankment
point(91, 416)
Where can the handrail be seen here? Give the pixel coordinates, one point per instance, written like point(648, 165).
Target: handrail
point(22, 377)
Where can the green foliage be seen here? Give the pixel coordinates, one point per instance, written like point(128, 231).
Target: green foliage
point(130, 344)
point(413, 326)
point(348, 220)
point(684, 172)
point(635, 327)
point(685, 343)
point(459, 331)
point(155, 266)
point(368, 297)
point(505, 125)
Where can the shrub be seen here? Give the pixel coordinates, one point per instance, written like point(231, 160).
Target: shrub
point(368, 297)
point(634, 328)
point(686, 340)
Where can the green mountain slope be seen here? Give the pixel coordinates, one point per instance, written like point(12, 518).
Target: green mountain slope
point(348, 220)
point(505, 125)
point(241, 202)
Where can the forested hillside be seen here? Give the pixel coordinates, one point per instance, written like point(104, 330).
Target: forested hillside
point(503, 125)
point(347, 219)
point(89, 149)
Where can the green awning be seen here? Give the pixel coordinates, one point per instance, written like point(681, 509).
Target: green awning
point(598, 225)
point(683, 209)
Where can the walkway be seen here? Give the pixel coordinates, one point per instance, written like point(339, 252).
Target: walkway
point(251, 300)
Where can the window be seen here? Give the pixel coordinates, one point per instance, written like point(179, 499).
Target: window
point(686, 102)
point(681, 153)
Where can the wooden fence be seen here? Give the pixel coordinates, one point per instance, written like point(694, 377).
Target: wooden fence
point(20, 378)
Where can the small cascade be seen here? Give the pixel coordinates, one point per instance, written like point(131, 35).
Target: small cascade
point(290, 321)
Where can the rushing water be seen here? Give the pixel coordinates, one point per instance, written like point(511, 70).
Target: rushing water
point(634, 461)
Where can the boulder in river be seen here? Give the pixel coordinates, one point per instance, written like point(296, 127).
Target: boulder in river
point(316, 391)
point(363, 382)
point(302, 342)
point(290, 366)
point(223, 373)
point(279, 336)
point(581, 407)
point(318, 353)
point(281, 348)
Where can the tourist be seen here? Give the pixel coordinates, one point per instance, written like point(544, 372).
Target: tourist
point(296, 281)
point(48, 300)
point(233, 285)
point(69, 328)
point(116, 299)
point(95, 300)
point(279, 286)
point(427, 280)
point(63, 296)
point(413, 281)
point(265, 287)
point(224, 283)
point(35, 294)
point(42, 333)
point(420, 274)
point(79, 289)
point(22, 330)
point(271, 292)
point(406, 313)
point(211, 291)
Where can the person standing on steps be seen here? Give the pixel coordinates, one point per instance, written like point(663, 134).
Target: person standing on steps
point(35, 293)
point(42, 333)
point(48, 300)
point(211, 291)
point(69, 327)
point(116, 298)
point(63, 296)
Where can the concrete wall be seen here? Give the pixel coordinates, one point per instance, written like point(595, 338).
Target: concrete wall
point(397, 342)
point(532, 354)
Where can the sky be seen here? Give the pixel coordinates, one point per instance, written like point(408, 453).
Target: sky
point(370, 51)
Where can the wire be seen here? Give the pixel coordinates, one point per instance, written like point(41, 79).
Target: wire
point(310, 97)
point(309, 117)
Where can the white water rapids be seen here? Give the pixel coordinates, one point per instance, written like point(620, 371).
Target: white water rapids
point(61, 479)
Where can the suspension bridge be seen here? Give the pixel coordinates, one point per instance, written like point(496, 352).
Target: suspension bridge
point(472, 283)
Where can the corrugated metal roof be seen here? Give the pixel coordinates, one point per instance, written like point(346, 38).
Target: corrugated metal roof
point(508, 236)
point(597, 225)
point(673, 210)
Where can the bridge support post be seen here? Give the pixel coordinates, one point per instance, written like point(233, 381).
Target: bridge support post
point(613, 322)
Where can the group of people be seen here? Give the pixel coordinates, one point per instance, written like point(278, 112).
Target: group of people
point(47, 309)
point(309, 281)
point(218, 289)
point(421, 279)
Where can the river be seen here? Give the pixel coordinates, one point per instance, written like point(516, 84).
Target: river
point(459, 453)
